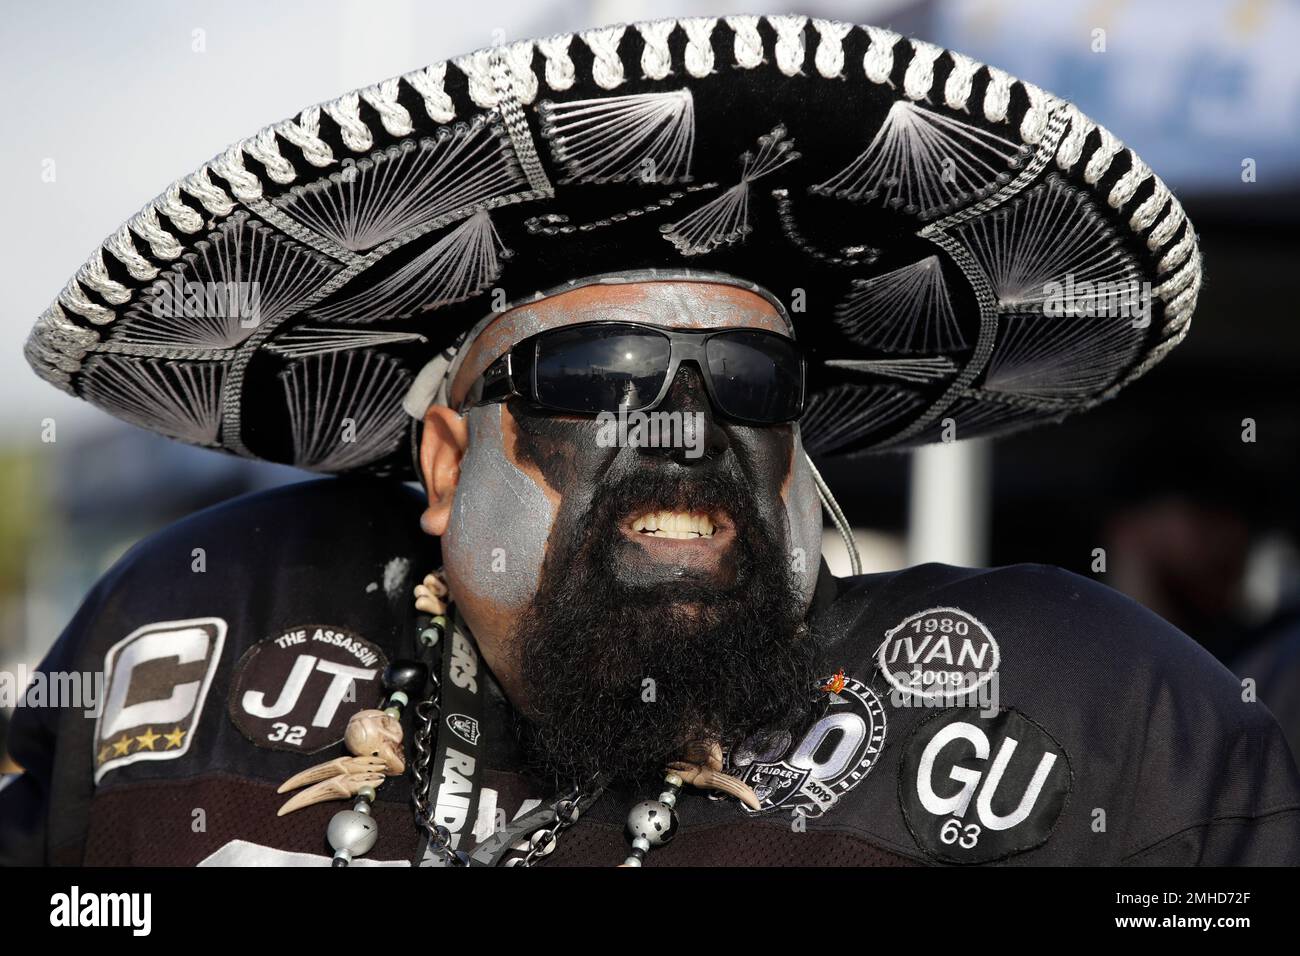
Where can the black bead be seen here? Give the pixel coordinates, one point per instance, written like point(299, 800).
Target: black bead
point(406, 676)
point(638, 853)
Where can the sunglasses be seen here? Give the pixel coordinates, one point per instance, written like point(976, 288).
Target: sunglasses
point(750, 375)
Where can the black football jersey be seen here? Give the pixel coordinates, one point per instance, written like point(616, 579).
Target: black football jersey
point(1020, 715)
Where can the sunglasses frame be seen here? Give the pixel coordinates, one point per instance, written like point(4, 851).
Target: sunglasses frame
point(514, 374)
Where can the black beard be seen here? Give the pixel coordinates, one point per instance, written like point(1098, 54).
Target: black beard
point(725, 664)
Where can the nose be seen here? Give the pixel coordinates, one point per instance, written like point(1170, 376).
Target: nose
point(700, 437)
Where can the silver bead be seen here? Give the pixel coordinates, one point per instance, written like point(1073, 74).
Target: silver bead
point(669, 797)
point(632, 861)
point(642, 844)
point(653, 820)
point(351, 831)
point(673, 780)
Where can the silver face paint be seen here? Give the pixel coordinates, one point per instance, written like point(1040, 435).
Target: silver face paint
point(500, 520)
point(804, 516)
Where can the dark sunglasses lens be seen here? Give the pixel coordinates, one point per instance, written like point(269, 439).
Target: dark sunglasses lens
point(600, 369)
point(756, 375)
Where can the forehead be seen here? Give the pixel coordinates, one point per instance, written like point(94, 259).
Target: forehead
point(669, 303)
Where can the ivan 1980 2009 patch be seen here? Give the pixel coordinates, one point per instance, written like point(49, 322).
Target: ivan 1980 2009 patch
point(296, 691)
point(811, 773)
point(938, 654)
point(974, 789)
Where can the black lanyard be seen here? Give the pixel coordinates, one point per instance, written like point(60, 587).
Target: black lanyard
point(458, 756)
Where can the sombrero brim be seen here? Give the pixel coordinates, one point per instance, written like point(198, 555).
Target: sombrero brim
point(962, 253)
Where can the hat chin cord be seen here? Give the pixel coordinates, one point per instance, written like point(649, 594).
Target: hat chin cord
point(836, 515)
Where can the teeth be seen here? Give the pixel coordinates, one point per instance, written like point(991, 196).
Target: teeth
point(674, 524)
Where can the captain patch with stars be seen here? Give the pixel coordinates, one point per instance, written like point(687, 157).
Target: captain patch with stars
point(975, 789)
point(295, 691)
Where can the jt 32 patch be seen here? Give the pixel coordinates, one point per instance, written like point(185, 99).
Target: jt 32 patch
point(296, 691)
point(810, 773)
point(976, 789)
point(157, 678)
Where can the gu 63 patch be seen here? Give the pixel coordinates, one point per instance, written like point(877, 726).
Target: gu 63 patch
point(157, 678)
point(810, 773)
point(296, 691)
point(976, 789)
point(938, 654)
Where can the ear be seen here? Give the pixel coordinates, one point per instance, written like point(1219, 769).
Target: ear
point(442, 446)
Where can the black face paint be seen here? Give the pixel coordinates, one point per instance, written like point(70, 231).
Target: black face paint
point(627, 655)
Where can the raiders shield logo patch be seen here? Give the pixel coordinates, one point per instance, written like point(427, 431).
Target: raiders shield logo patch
point(156, 680)
point(976, 789)
point(296, 691)
point(810, 773)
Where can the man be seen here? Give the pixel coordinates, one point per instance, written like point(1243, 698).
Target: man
point(600, 294)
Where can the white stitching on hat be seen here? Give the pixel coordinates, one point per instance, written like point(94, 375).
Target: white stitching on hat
point(212, 196)
point(699, 45)
point(457, 267)
point(305, 134)
point(519, 58)
point(1146, 213)
point(748, 45)
point(656, 60)
point(612, 138)
point(429, 84)
point(230, 167)
point(1168, 226)
point(179, 399)
point(957, 88)
point(920, 72)
point(790, 48)
point(1072, 144)
point(1128, 184)
point(1101, 159)
point(263, 148)
point(559, 66)
point(346, 112)
point(607, 70)
point(323, 393)
point(725, 218)
point(1177, 252)
point(905, 310)
point(878, 61)
point(122, 245)
point(173, 207)
point(829, 57)
point(910, 148)
point(1034, 122)
point(95, 276)
point(383, 97)
point(997, 95)
point(161, 242)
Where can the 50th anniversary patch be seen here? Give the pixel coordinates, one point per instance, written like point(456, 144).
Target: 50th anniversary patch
point(296, 691)
point(810, 773)
point(976, 789)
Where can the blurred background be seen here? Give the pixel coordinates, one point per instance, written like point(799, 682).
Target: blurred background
point(1156, 494)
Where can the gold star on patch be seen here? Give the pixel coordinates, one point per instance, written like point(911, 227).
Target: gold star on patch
point(174, 738)
point(122, 747)
point(147, 738)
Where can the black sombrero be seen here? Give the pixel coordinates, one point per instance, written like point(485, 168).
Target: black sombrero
point(950, 242)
